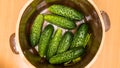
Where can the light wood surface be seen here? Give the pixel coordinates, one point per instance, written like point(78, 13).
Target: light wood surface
point(108, 58)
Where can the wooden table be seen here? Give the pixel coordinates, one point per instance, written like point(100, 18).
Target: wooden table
point(108, 58)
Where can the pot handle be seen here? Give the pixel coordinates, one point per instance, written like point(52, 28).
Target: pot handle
point(13, 44)
point(106, 20)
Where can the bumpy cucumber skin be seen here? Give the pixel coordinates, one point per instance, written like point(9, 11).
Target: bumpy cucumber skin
point(52, 48)
point(36, 30)
point(65, 42)
point(65, 11)
point(67, 56)
point(80, 36)
point(60, 21)
point(44, 40)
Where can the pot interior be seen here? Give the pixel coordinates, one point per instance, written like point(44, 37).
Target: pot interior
point(39, 6)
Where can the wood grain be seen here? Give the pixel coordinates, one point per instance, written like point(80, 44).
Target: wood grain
point(110, 55)
point(108, 58)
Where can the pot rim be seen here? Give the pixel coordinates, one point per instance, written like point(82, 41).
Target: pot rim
point(17, 34)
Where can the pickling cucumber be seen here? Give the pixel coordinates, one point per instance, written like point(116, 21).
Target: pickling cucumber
point(87, 40)
point(80, 36)
point(67, 56)
point(36, 30)
point(44, 40)
point(60, 21)
point(66, 12)
point(71, 62)
point(65, 42)
point(53, 45)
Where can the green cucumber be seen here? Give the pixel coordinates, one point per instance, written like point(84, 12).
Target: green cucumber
point(66, 12)
point(67, 56)
point(87, 40)
point(53, 46)
point(80, 36)
point(60, 21)
point(44, 40)
point(74, 61)
point(36, 30)
point(65, 42)
point(79, 58)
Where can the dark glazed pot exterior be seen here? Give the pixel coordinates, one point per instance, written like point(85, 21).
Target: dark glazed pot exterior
point(33, 7)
